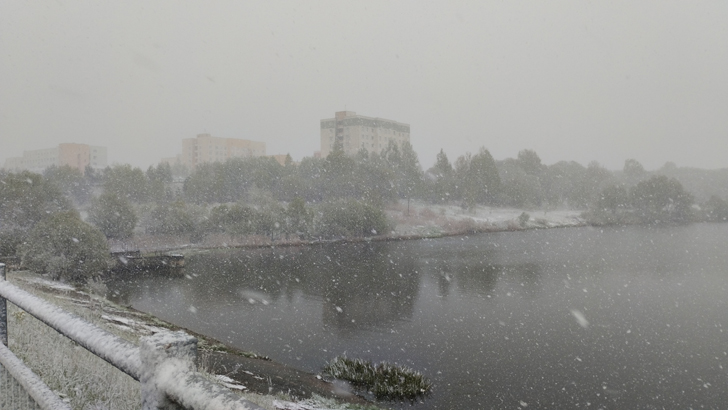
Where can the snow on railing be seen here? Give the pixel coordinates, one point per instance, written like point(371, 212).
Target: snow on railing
point(164, 363)
point(20, 388)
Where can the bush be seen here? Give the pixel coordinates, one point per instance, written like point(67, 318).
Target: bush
point(114, 215)
point(715, 210)
point(351, 218)
point(523, 219)
point(66, 248)
point(384, 380)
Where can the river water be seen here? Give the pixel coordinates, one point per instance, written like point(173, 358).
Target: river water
point(612, 318)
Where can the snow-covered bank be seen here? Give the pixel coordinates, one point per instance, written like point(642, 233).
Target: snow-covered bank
point(87, 381)
point(410, 221)
point(421, 219)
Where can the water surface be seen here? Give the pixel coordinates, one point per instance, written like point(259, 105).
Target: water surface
point(565, 318)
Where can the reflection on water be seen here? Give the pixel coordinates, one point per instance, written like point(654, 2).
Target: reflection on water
point(488, 318)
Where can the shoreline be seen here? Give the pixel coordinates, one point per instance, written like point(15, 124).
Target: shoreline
point(238, 370)
point(249, 372)
point(420, 222)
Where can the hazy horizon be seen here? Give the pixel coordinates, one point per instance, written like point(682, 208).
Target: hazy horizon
point(569, 80)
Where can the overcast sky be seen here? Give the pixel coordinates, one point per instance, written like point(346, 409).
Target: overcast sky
point(579, 80)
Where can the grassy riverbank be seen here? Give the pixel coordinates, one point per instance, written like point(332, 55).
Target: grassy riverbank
point(88, 382)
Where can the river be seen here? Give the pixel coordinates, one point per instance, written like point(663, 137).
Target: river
point(628, 317)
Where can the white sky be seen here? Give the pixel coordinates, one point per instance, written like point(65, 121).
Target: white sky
point(578, 80)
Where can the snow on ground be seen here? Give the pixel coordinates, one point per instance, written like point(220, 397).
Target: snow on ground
point(229, 383)
point(419, 218)
point(51, 284)
point(416, 219)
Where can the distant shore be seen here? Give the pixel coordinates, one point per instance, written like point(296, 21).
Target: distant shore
point(413, 222)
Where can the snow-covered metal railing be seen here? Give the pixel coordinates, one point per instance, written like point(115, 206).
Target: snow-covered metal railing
point(21, 389)
point(164, 363)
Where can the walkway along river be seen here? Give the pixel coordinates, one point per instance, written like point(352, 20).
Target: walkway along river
point(629, 317)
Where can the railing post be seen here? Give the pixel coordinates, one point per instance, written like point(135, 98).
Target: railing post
point(3, 312)
point(176, 347)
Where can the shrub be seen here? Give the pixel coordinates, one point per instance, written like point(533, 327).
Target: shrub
point(427, 214)
point(351, 218)
point(384, 380)
point(66, 248)
point(523, 219)
point(715, 210)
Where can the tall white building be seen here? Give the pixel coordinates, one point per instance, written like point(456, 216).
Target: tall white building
point(354, 132)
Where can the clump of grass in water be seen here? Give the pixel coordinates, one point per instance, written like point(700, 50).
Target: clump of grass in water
point(384, 380)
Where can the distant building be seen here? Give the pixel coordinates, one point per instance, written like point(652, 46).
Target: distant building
point(77, 156)
point(206, 148)
point(354, 132)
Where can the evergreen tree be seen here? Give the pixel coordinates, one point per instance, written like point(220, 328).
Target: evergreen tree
point(530, 162)
point(338, 174)
point(441, 175)
point(478, 178)
point(408, 173)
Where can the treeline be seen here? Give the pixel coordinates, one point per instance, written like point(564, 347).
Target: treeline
point(657, 199)
point(472, 179)
point(337, 196)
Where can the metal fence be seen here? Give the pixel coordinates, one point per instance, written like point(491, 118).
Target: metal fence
point(163, 363)
point(21, 389)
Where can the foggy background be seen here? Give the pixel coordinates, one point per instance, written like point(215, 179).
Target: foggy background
point(571, 80)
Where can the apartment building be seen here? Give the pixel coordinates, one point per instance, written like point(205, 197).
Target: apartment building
point(206, 148)
point(354, 132)
point(77, 156)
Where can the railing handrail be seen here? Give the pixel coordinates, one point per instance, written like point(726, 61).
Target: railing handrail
point(164, 364)
point(33, 385)
point(118, 352)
